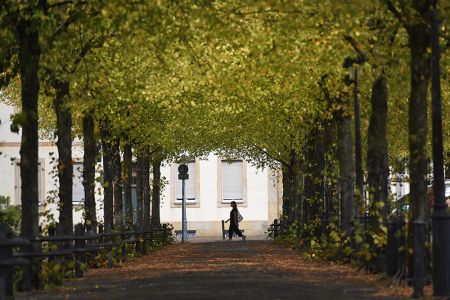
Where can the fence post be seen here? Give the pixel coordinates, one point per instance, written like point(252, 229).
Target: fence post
point(28, 270)
point(275, 228)
point(79, 244)
point(165, 233)
point(392, 248)
point(123, 239)
point(51, 233)
point(6, 276)
point(144, 242)
point(402, 254)
point(137, 237)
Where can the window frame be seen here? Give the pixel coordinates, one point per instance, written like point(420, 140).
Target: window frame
point(220, 200)
point(174, 202)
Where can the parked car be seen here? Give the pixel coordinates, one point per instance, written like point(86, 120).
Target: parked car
point(402, 204)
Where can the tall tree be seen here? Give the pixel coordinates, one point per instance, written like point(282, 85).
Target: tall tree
point(89, 163)
point(156, 193)
point(146, 191)
point(377, 153)
point(128, 180)
point(117, 182)
point(415, 18)
point(346, 170)
point(107, 151)
point(65, 164)
point(139, 191)
point(24, 21)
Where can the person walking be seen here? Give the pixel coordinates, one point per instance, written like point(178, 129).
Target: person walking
point(235, 218)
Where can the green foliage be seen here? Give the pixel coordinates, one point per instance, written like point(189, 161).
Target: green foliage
point(10, 214)
point(364, 246)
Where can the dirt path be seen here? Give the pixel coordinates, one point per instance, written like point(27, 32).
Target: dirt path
point(218, 270)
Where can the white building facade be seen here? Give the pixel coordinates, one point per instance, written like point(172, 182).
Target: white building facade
point(213, 184)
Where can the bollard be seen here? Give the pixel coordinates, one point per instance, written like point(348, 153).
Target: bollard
point(79, 256)
point(223, 229)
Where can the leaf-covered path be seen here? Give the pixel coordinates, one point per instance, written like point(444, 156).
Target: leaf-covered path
point(219, 270)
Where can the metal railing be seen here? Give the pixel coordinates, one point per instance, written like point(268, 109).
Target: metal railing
point(22, 252)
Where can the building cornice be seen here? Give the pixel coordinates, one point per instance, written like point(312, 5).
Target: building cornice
point(17, 144)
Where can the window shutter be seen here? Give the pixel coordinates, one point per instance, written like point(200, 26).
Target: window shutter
point(232, 181)
point(77, 185)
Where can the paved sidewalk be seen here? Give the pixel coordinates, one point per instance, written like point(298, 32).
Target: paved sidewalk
point(255, 269)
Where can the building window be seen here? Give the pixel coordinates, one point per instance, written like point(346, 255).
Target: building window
point(18, 182)
point(190, 186)
point(77, 185)
point(232, 181)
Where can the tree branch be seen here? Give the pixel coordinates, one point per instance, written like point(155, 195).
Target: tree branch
point(397, 13)
point(91, 44)
point(356, 46)
point(265, 152)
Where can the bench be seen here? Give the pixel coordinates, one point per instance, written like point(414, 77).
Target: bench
point(226, 231)
point(190, 233)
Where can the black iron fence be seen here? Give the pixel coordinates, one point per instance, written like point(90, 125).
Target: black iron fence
point(24, 252)
point(396, 256)
point(278, 228)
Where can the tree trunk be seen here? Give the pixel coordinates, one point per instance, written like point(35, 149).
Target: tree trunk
point(107, 177)
point(318, 209)
point(117, 185)
point(419, 42)
point(139, 191)
point(359, 174)
point(146, 191)
point(377, 153)
point(294, 188)
point(89, 162)
point(128, 177)
point(65, 163)
point(291, 205)
point(309, 178)
point(287, 205)
point(29, 56)
point(156, 193)
point(329, 168)
point(346, 171)
point(441, 215)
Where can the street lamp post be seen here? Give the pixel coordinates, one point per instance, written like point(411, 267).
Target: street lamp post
point(183, 175)
point(441, 216)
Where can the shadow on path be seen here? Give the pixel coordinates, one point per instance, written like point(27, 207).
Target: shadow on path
point(217, 270)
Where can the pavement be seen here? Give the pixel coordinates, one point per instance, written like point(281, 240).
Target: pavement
point(208, 268)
